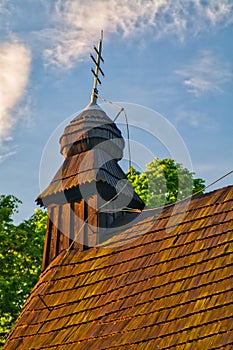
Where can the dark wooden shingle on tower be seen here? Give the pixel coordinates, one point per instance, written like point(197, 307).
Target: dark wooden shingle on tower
point(84, 188)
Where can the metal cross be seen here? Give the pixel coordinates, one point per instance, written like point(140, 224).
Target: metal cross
point(95, 72)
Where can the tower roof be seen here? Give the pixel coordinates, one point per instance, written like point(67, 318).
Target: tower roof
point(88, 129)
point(92, 145)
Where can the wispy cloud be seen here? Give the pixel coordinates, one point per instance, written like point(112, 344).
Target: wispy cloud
point(205, 74)
point(14, 75)
point(5, 155)
point(194, 119)
point(76, 24)
point(3, 5)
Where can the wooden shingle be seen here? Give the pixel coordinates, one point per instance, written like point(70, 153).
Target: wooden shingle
point(168, 288)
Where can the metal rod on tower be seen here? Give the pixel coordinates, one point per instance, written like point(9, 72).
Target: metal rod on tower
point(97, 70)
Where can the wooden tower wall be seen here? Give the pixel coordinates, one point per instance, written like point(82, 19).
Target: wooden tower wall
point(66, 223)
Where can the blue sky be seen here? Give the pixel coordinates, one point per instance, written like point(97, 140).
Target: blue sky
point(174, 57)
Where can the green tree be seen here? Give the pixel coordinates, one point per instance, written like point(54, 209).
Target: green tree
point(164, 181)
point(139, 182)
point(21, 249)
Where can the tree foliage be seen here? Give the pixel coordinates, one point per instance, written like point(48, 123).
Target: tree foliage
point(139, 182)
point(164, 181)
point(21, 249)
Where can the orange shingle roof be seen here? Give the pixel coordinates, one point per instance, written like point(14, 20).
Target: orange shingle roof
point(169, 286)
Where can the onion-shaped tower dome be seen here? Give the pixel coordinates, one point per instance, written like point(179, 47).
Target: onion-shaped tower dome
point(89, 129)
point(92, 145)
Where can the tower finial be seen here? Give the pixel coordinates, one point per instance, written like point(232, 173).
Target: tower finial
point(97, 68)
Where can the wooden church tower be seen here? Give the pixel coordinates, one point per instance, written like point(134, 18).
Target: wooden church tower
point(90, 191)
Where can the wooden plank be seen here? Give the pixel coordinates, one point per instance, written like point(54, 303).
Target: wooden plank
point(85, 230)
point(92, 220)
point(64, 226)
point(45, 261)
point(71, 223)
point(78, 224)
point(54, 229)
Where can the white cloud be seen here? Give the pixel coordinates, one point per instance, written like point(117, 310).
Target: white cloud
point(205, 74)
point(76, 24)
point(14, 74)
point(219, 11)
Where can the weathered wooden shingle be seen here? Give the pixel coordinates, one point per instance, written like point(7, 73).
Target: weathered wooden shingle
point(98, 167)
point(169, 286)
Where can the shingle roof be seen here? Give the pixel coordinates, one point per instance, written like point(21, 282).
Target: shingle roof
point(169, 286)
point(89, 126)
point(92, 145)
point(98, 166)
